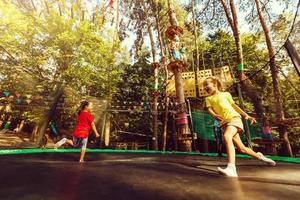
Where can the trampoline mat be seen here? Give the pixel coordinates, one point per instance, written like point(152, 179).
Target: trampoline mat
point(142, 176)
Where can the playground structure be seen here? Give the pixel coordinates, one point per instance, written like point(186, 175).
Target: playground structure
point(189, 81)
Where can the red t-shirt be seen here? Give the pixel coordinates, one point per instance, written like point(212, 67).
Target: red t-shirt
point(83, 126)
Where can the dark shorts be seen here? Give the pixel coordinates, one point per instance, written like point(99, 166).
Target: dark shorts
point(80, 142)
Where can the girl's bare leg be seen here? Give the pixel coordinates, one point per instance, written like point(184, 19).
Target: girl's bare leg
point(229, 133)
point(82, 154)
point(70, 142)
point(242, 148)
point(230, 170)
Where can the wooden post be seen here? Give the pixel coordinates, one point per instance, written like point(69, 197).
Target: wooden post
point(293, 55)
point(47, 118)
point(107, 131)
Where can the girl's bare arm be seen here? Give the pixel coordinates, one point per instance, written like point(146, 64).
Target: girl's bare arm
point(95, 129)
point(244, 114)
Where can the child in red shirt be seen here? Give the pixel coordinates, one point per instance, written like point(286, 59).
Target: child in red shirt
point(85, 122)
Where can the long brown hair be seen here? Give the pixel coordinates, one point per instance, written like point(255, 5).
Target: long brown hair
point(82, 106)
point(214, 80)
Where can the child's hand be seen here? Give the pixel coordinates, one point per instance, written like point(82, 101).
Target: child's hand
point(97, 135)
point(251, 119)
point(218, 117)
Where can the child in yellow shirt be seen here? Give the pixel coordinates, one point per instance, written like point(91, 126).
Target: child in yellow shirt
point(222, 107)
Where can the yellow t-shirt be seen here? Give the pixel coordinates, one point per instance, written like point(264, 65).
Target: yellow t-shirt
point(221, 104)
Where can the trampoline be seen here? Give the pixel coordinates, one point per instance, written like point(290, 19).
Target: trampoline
point(109, 174)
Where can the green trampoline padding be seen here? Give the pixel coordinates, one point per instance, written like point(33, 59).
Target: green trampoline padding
point(203, 125)
point(32, 151)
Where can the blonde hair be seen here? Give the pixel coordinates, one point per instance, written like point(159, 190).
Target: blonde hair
point(214, 80)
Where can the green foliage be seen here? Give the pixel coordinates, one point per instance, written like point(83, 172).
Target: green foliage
point(137, 81)
point(61, 48)
point(42, 49)
point(135, 85)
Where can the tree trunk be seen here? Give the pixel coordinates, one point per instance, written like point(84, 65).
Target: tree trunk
point(183, 129)
point(117, 19)
point(155, 93)
point(72, 10)
point(246, 85)
point(196, 46)
point(236, 34)
point(164, 62)
point(274, 71)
